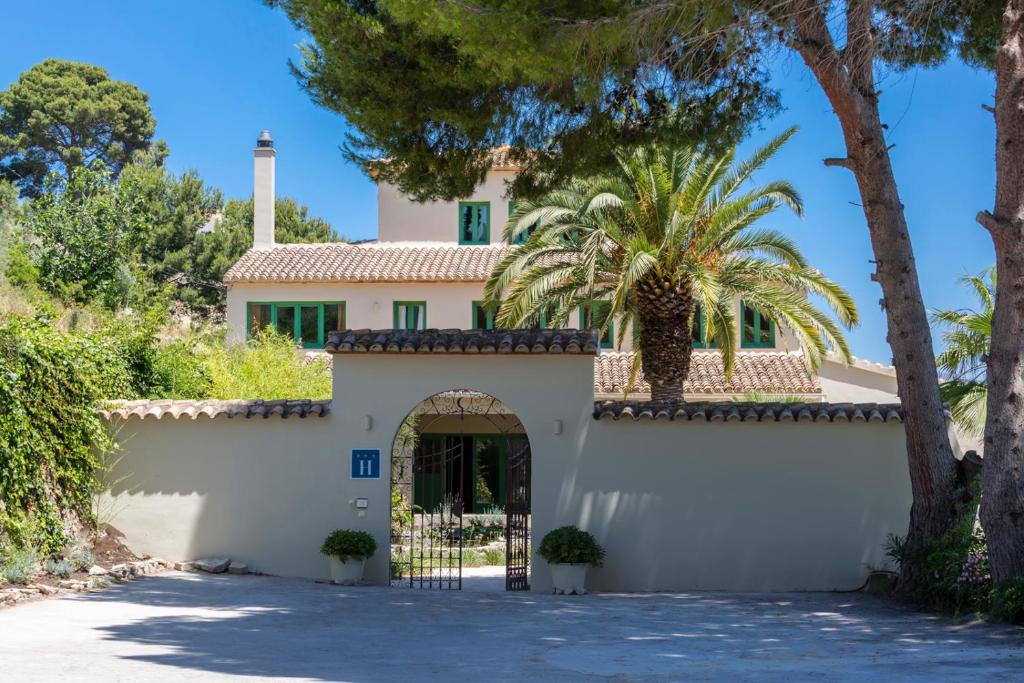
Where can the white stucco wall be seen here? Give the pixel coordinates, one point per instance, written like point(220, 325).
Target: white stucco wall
point(678, 505)
point(400, 219)
point(852, 384)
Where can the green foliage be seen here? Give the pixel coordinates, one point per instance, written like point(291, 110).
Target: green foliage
point(62, 569)
point(18, 565)
point(493, 556)
point(570, 545)
point(1008, 602)
point(61, 115)
point(49, 431)
point(668, 215)
point(268, 367)
point(967, 337)
point(346, 544)
point(433, 87)
point(82, 235)
point(81, 560)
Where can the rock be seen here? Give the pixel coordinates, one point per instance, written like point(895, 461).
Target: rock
point(72, 585)
point(97, 570)
point(185, 566)
point(44, 589)
point(238, 568)
point(213, 565)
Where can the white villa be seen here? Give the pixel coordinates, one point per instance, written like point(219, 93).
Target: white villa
point(427, 270)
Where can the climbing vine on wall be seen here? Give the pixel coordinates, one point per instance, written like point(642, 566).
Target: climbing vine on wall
point(50, 384)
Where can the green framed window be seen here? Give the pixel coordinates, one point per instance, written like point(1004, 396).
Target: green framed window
point(758, 331)
point(543, 321)
point(305, 321)
point(699, 328)
point(483, 316)
point(594, 315)
point(474, 222)
point(522, 237)
point(410, 315)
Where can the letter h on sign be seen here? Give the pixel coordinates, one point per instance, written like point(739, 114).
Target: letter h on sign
point(366, 463)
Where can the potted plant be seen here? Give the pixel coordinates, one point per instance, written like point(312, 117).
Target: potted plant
point(347, 551)
point(570, 551)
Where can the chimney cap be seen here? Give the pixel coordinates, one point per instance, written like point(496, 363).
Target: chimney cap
point(264, 140)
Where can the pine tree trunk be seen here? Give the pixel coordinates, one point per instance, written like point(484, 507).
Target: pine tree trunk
point(1002, 473)
point(848, 81)
point(664, 310)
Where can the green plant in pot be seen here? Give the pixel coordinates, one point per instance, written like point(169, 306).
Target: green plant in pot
point(347, 551)
point(570, 550)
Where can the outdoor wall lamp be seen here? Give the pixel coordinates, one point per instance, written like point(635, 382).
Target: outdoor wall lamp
point(558, 427)
point(367, 422)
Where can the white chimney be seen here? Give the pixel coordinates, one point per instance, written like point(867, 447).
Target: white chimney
point(263, 192)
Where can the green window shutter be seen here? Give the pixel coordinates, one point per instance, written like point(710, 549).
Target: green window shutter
point(410, 315)
point(483, 316)
point(593, 316)
point(757, 331)
point(522, 237)
point(474, 222)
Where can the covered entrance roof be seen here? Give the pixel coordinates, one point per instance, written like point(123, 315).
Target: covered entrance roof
point(530, 341)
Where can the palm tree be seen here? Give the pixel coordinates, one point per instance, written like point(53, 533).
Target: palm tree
point(668, 230)
point(967, 338)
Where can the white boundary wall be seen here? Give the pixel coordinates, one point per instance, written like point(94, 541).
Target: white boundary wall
point(678, 505)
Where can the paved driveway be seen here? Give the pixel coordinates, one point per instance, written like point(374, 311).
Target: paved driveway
point(200, 627)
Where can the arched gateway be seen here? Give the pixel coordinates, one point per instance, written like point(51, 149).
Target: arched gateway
point(460, 493)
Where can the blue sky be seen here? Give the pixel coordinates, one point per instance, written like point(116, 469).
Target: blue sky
point(217, 72)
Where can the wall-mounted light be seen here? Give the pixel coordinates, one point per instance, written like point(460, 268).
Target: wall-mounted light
point(367, 422)
point(557, 428)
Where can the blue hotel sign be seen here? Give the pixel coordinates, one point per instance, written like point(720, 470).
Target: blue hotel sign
point(366, 463)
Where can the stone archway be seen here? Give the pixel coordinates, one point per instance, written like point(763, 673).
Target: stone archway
point(460, 495)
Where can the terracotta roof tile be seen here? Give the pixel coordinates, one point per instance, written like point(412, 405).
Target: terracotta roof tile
point(762, 371)
point(370, 262)
point(463, 341)
point(213, 408)
point(751, 412)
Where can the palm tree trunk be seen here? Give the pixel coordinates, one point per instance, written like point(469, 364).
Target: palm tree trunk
point(664, 310)
point(1002, 472)
point(847, 78)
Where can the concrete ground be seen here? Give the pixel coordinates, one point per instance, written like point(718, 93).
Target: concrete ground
point(201, 627)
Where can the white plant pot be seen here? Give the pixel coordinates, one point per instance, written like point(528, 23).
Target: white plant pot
point(347, 573)
point(568, 579)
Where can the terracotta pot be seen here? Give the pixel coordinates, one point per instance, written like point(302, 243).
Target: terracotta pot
point(568, 579)
point(347, 573)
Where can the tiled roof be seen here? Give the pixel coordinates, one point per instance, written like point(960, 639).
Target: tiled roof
point(762, 371)
point(369, 262)
point(211, 408)
point(463, 341)
point(751, 412)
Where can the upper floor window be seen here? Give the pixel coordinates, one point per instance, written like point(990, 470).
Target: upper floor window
point(758, 331)
point(483, 316)
point(410, 315)
point(525, 234)
point(594, 315)
point(308, 322)
point(474, 222)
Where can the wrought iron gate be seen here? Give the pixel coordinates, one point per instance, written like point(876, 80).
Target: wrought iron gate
point(435, 539)
point(517, 516)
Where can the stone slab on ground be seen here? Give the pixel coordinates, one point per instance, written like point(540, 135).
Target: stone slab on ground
point(204, 627)
point(213, 565)
point(238, 568)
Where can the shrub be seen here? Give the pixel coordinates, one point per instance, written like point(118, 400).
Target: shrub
point(268, 367)
point(18, 565)
point(494, 556)
point(81, 560)
point(570, 545)
point(346, 544)
point(1008, 602)
point(60, 568)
